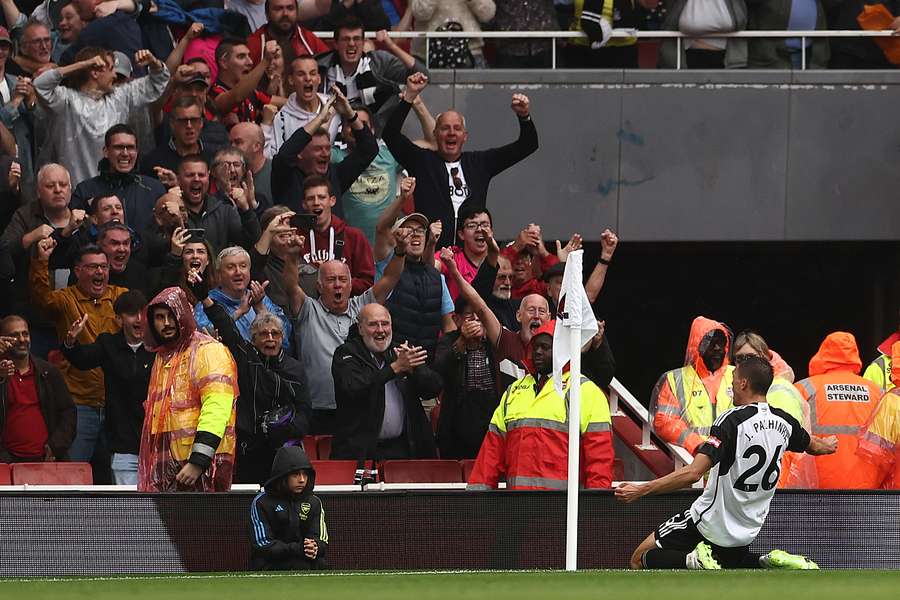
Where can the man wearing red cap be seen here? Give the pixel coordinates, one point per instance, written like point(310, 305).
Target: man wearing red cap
point(528, 438)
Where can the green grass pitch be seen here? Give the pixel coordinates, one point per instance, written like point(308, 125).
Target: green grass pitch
point(505, 585)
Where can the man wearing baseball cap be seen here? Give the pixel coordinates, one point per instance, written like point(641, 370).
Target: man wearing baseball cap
point(420, 304)
point(191, 81)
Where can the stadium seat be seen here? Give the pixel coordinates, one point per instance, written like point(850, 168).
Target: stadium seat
point(421, 471)
point(334, 472)
point(311, 447)
point(323, 445)
point(4, 474)
point(467, 466)
point(52, 473)
point(618, 469)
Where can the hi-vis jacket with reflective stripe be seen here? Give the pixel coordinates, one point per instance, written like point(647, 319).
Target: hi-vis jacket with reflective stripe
point(528, 439)
point(879, 370)
point(879, 443)
point(840, 403)
point(685, 401)
point(191, 405)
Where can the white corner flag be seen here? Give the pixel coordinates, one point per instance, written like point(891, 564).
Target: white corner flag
point(575, 320)
point(575, 326)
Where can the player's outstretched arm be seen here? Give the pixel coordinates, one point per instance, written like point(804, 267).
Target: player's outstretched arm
point(676, 480)
point(819, 446)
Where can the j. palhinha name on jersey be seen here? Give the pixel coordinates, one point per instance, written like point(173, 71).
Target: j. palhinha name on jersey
point(772, 424)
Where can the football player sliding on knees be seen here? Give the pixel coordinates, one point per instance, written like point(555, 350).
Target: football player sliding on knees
point(743, 456)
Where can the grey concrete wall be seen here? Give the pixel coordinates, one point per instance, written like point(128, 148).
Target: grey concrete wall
point(690, 156)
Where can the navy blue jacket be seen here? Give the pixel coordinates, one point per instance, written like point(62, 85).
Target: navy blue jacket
point(138, 194)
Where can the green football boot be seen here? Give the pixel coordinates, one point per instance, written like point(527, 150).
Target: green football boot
point(779, 559)
point(701, 558)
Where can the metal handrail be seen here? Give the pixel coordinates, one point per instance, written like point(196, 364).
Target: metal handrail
point(619, 393)
point(633, 33)
point(629, 33)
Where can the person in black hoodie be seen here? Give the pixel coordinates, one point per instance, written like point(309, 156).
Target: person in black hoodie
point(274, 407)
point(287, 521)
point(126, 365)
point(448, 177)
point(379, 387)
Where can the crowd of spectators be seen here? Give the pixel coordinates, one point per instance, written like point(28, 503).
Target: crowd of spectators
point(597, 18)
point(309, 268)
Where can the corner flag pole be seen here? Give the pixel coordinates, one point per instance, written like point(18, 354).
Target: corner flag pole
point(576, 325)
point(574, 449)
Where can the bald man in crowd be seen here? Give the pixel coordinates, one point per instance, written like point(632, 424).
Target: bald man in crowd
point(322, 324)
point(448, 177)
point(379, 388)
point(249, 139)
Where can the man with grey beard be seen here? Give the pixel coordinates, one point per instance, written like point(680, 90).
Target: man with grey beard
point(493, 282)
point(379, 387)
point(37, 414)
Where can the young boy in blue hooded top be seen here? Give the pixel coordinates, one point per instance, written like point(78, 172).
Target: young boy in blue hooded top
point(287, 522)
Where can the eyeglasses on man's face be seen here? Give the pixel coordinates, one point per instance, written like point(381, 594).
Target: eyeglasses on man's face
point(486, 225)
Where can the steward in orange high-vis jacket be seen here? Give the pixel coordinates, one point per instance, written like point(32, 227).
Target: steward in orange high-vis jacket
point(528, 438)
point(841, 403)
point(686, 401)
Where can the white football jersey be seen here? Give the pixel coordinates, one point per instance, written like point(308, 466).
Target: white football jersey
point(745, 444)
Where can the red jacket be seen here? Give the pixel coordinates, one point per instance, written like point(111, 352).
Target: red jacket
point(534, 285)
point(349, 244)
point(528, 437)
point(305, 43)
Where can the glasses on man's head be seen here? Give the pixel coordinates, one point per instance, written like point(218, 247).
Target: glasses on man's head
point(486, 225)
point(457, 180)
point(350, 38)
point(416, 230)
point(188, 120)
point(124, 148)
point(270, 333)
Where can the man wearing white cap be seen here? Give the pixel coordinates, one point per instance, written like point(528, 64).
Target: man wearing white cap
point(420, 305)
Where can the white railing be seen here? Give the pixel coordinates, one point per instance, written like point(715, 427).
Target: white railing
point(631, 33)
point(619, 393)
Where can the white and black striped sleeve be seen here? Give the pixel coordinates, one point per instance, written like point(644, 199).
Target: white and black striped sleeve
point(799, 440)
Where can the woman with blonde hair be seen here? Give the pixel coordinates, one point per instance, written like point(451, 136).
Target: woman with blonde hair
point(782, 394)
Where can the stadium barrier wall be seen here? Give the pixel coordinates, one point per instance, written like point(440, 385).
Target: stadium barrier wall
point(55, 534)
point(663, 156)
